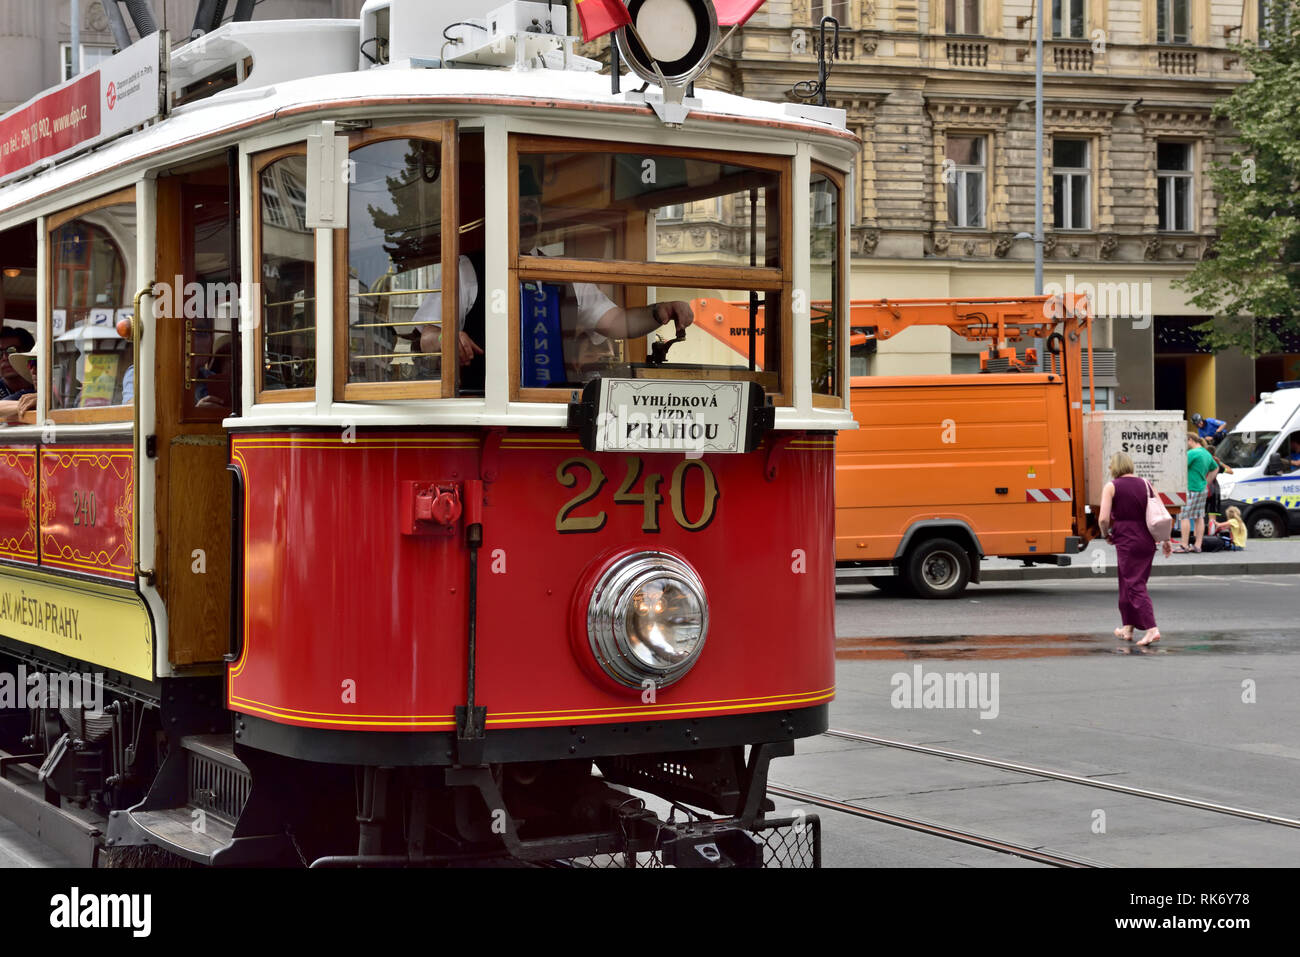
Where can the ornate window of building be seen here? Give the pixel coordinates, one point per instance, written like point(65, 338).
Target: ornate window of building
point(965, 176)
point(839, 9)
point(1173, 21)
point(1069, 19)
point(962, 17)
point(671, 214)
point(1071, 184)
point(1174, 185)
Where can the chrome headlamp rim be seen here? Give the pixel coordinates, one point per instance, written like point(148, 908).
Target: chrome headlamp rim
point(606, 624)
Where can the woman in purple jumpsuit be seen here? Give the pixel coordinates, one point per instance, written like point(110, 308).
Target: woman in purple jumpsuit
point(1123, 521)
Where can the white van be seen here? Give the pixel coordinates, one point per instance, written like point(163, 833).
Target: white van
point(1263, 483)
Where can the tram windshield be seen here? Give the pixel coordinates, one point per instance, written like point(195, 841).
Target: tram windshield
point(92, 282)
point(615, 248)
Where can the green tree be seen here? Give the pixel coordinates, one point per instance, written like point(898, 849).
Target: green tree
point(1255, 269)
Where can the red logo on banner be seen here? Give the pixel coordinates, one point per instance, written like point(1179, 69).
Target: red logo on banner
point(50, 125)
point(112, 95)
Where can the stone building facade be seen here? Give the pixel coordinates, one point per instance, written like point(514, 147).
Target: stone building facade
point(942, 96)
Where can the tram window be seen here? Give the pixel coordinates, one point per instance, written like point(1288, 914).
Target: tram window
point(92, 281)
point(286, 254)
point(557, 348)
point(825, 225)
point(646, 207)
point(209, 323)
point(394, 274)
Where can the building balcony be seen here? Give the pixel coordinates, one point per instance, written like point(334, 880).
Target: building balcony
point(968, 53)
point(1072, 57)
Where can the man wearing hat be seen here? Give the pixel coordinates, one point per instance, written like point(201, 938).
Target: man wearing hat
point(1212, 429)
point(17, 373)
point(588, 317)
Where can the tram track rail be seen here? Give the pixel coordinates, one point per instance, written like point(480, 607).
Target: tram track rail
point(1035, 854)
point(1054, 775)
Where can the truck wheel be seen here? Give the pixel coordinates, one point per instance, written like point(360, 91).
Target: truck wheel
point(938, 568)
point(1266, 523)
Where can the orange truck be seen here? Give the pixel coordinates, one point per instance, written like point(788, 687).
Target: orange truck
point(945, 470)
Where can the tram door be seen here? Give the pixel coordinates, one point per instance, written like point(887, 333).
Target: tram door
point(196, 349)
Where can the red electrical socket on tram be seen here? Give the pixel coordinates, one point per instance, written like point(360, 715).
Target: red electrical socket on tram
point(430, 508)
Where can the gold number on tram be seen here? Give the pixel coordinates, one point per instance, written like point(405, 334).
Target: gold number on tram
point(677, 492)
point(83, 507)
point(650, 497)
point(565, 521)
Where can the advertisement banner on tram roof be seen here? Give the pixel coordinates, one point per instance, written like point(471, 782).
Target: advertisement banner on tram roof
point(123, 92)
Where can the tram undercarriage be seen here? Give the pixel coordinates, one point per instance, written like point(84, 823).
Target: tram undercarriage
point(149, 781)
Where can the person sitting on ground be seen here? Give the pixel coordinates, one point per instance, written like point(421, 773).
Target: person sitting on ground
point(1236, 528)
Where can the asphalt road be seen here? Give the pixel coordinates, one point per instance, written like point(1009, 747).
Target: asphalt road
point(1209, 712)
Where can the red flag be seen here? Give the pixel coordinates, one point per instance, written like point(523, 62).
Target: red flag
point(602, 16)
point(734, 12)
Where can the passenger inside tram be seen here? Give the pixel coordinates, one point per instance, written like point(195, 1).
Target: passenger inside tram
point(588, 318)
point(17, 373)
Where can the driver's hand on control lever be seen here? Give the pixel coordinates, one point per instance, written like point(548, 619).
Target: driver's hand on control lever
point(677, 312)
point(466, 348)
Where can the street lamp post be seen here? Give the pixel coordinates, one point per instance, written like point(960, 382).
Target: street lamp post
point(1038, 152)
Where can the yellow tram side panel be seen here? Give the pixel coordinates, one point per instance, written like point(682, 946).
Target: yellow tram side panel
point(44, 527)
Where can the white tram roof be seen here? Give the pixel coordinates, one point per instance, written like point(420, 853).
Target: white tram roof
point(225, 118)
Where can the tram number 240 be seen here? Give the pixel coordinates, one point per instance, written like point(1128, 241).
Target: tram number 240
point(650, 497)
point(83, 507)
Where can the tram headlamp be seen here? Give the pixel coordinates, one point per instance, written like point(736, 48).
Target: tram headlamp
point(647, 618)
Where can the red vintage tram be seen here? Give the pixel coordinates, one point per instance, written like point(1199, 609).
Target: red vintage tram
point(420, 324)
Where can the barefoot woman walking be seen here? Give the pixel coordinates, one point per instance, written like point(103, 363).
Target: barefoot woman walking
point(1123, 521)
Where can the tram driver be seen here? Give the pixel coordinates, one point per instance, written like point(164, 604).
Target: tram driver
point(588, 318)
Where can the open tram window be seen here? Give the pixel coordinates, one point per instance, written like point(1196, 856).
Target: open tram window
point(285, 251)
point(92, 284)
point(613, 245)
point(825, 225)
point(402, 203)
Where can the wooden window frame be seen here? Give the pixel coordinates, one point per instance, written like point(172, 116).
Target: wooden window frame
point(55, 222)
point(985, 171)
point(444, 133)
point(1086, 171)
point(1190, 175)
point(639, 275)
point(260, 395)
point(835, 400)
